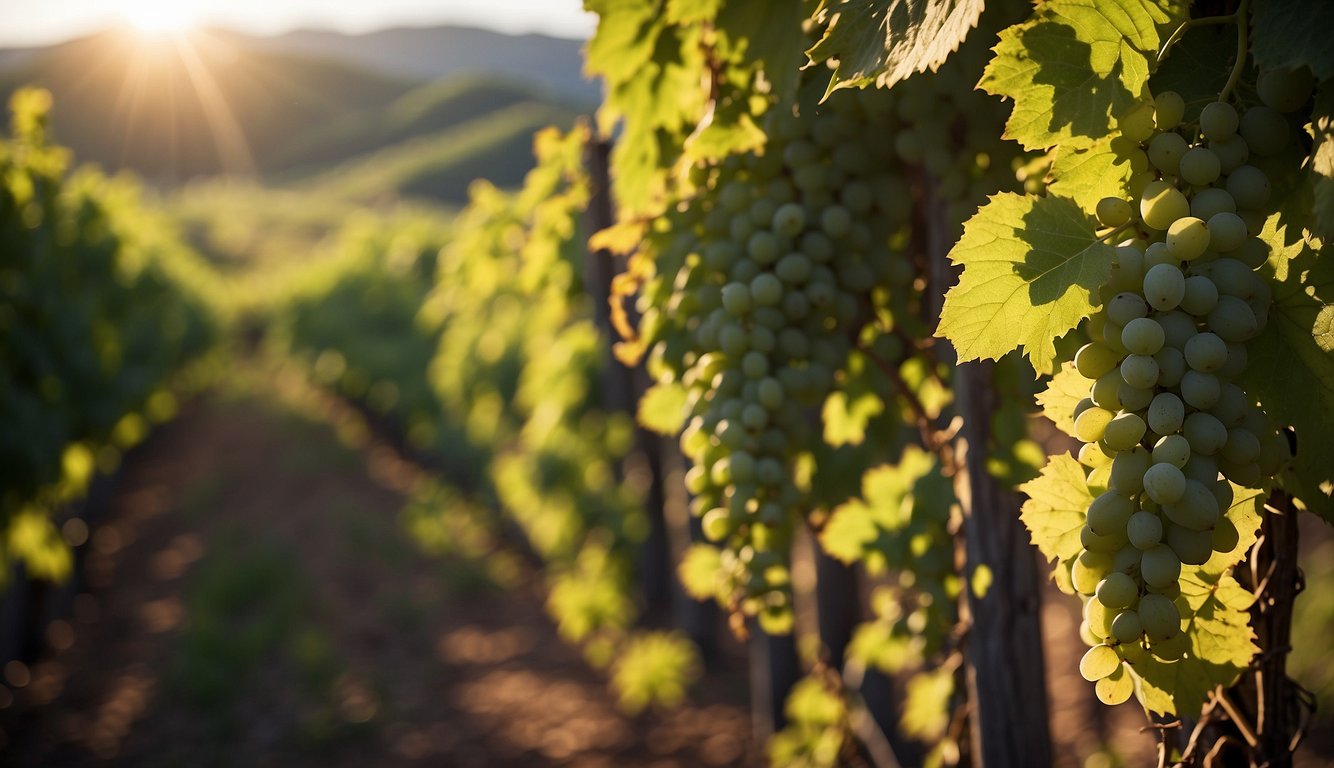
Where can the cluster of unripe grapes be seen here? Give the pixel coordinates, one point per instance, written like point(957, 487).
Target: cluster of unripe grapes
point(766, 280)
point(1166, 428)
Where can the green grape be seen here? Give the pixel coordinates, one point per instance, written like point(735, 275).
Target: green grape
point(1206, 434)
point(1124, 431)
point(1126, 306)
point(1232, 154)
point(1139, 371)
point(1193, 547)
point(1144, 530)
point(1171, 449)
point(1231, 406)
point(1196, 510)
point(1227, 232)
point(1200, 390)
point(794, 269)
point(1233, 278)
point(1178, 327)
point(1135, 398)
point(1158, 253)
point(1219, 121)
point(1159, 566)
point(1142, 336)
point(1093, 360)
point(1113, 211)
point(1171, 366)
point(1159, 617)
point(1165, 152)
point(1188, 238)
point(1098, 662)
point(1128, 467)
point(1201, 467)
point(766, 290)
point(1206, 352)
point(1233, 320)
point(1265, 130)
point(763, 246)
point(1127, 269)
point(1168, 110)
point(1161, 204)
point(1249, 186)
point(789, 220)
point(1201, 295)
point(1110, 544)
point(1164, 286)
point(1117, 591)
point(1166, 414)
point(1165, 483)
point(736, 299)
point(1089, 569)
point(1126, 627)
point(1285, 90)
point(1242, 446)
point(1200, 167)
point(1209, 202)
point(1137, 124)
point(716, 525)
point(1108, 513)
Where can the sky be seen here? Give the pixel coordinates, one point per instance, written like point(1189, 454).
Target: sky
point(37, 22)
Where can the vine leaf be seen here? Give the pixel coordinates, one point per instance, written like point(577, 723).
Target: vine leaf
point(662, 408)
point(1031, 272)
point(881, 43)
point(1322, 162)
point(1062, 394)
point(1216, 625)
point(701, 571)
point(1100, 170)
point(1058, 501)
point(1293, 33)
point(1291, 369)
point(1075, 67)
point(862, 529)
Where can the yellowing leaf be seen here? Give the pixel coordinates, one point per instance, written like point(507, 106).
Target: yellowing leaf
point(1063, 393)
point(1031, 272)
point(662, 408)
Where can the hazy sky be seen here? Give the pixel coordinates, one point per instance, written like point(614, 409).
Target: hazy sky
point(26, 22)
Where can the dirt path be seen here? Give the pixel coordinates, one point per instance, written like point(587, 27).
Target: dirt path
point(254, 600)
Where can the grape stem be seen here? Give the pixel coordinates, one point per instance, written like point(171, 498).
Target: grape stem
point(1242, 28)
point(1180, 31)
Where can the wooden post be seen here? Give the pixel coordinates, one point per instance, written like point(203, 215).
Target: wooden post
point(774, 669)
point(622, 386)
point(1007, 688)
point(837, 604)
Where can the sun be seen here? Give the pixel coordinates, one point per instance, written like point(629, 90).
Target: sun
point(158, 17)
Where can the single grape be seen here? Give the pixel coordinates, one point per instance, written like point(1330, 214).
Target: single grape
point(1117, 591)
point(1200, 390)
point(1197, 509)
point(1139, 371)
point(1208, 202)
point(1265, 131)
point(1144, 530)
point(1242, 446)
point(1285, 90)
point(1165, 152)
point(1171, 449)
point(1128, 468)
point(1227, 232)
point(1232, 154)
point(1126, 306)
point(1165, 483)
point(1188, 238)
point(1093, 360)
point(1166, 413)
point(1108, 513)
point(1219, 121)
point(1233, 320)
point(1089, 569)
point(1142, 336)
point(1201, 295)
point(1124, 431)
point(1106, 391)
point(1137, 124)
point(1161, 204)
point(1159, 566)
point(1171, 366)
point(1113, 211)
point(1090, 425)
point(1206, 434)
point(1249, 186)
point(1098, 662)
point(1206, 352)
point(1168, 110)
point(1200, 167)
point(1164, 286)
point(1159, 617)
point(1191, 546)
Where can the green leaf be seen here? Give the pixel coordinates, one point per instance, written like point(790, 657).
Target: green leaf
point(769, 37)
point(662, 408)
point(883, 42)
point(700, 571)
point(1058, 502)
point(1293, 33)
point(845, 416)
point(692, 11)
point(1031, 272)
point(1322, 163)
point(1062, 394)
point(926, 709)
point(1291, 369)
point(1215, 622)
point(1100, 170)
point(1075, 67)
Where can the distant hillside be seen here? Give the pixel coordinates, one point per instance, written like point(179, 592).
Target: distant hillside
point(428, 110)
point(174, 111)
point(441, 167)
point(546, 63)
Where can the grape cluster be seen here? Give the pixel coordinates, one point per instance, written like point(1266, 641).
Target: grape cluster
point(765, 281)
point(1165, 427)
